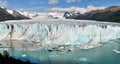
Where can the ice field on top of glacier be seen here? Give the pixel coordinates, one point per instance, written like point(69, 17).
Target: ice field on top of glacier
point(59, 31)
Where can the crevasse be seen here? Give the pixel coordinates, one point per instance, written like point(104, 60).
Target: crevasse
point(60, 33)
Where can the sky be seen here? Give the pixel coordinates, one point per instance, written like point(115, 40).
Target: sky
point(50, 5)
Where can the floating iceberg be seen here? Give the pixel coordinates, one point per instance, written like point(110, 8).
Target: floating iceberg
point(82, 59)
point(116, 51)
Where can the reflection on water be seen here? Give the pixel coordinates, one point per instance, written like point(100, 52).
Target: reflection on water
point(24, 50)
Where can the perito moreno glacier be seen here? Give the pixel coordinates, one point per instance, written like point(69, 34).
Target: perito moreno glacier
point(59, 31)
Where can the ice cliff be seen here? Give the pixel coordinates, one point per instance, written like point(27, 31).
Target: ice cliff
point(60, 32)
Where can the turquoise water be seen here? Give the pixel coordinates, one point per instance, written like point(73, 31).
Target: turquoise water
point(99, 55)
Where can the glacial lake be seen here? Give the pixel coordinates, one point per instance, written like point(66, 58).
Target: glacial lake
point(98, 55)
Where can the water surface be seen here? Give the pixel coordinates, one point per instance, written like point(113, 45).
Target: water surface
point(99, 55)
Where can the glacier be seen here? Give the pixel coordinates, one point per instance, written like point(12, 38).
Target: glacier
point(68, 32)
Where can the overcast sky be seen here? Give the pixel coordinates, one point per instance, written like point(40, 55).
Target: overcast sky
point(45, 5)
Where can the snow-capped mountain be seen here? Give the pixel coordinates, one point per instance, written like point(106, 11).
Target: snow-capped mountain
point(16, 14)
point(28, 14)
point(71, 14)
point(58, 15)
point(9, 14)
point(4, 15)
point(110, 14)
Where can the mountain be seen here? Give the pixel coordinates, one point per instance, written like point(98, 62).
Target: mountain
point(16, 14)
point(53, 15)
point(111, 14)
point(28, 13)
point(7, 14)
point(71, 15)
point(4, 15)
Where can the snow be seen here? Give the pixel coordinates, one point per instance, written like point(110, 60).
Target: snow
point(57, 14)
point(42, 14)
point(10, 11)
point(27, 14)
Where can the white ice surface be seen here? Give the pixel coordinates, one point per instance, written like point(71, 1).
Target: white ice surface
point(59, 31)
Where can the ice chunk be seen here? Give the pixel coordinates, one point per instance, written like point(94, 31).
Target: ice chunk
point(84, 59)
point(24, 55)
point(81, 59)
point(116, 51)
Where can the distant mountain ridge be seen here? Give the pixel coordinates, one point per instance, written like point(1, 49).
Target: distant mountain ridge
point(111, 14)
point(53, 15)
point(12, 15)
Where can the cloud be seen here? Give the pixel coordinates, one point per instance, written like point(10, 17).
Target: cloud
point(34, 9)
point(76, 9)
point(32, 3)
point(3, 3)
point(72, 1)
point(53, 2)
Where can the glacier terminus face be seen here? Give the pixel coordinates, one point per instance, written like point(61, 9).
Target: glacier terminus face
point(60, 32)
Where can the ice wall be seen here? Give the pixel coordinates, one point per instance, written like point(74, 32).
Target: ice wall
point(60, 32)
